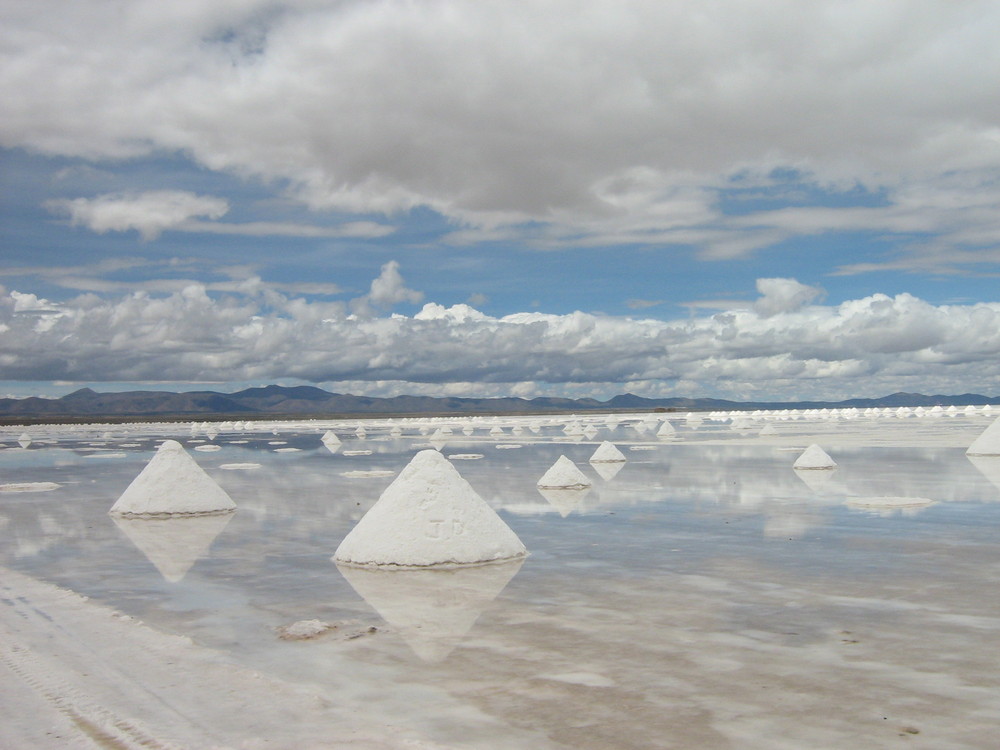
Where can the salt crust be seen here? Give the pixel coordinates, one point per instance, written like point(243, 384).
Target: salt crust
point(563, 474)
point(29, 487)
point(465, 456)
point(429, 516)
point(303, 630)
point(607, 453)
point(172, 483)
point(366, 474)
point(234, 467)
point(208, 448)
point(357, 453)
point(814, 457)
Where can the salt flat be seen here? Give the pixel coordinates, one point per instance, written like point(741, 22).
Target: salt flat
point(702, 594)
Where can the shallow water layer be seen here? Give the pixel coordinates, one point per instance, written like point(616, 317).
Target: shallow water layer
point(702, 594)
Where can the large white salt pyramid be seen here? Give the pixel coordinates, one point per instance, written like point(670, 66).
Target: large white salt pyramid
point(429, 515)
point(814, 457)
point(988, 443)
point(607, 453)
point(172, 484)
point(563, 474)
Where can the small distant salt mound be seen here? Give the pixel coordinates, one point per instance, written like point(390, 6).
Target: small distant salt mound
point(814, 457)
point(172, 484)
point(888, 502)
point(988, 443)
point(768, 429)
point(563, 474)
point(330, 438)
point(24, 440)
point(496, 430)
point(607, 453)
point(666, 430)
point(29, 487)
point(429, 516)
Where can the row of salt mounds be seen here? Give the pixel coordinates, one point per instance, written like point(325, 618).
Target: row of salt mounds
point(988, 443)
point(429, 516)
point(814, 457)
point(563, 474)
point(172, 484)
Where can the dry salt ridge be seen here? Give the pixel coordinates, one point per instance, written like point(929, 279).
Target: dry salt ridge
point(704, 593)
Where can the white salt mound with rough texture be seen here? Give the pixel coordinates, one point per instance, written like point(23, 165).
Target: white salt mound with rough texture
point(814, 457)
point(330, 438)
point(607, 453)
point(563, 474)
point(988, 443)
point(429, 515)
point(172, 484)
point(666, 430)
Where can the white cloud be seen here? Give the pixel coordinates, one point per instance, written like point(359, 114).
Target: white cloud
point(782, 296)
point(602, 121)
point(149, 213)
point(387, 291)
point(870, 346)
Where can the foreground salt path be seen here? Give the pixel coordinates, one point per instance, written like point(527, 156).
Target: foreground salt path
point(428, 516)
point(172, 484)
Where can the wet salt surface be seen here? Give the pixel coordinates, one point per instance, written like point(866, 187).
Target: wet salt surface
point(705, 595)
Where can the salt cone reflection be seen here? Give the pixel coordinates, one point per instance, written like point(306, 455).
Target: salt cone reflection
point(989, 467)
point(565, 500)
point(607, 470)
point(432, 609)
point(173, 545)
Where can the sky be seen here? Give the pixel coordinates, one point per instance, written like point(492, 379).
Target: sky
point(743, 199)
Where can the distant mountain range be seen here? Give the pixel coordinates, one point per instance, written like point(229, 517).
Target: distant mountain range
point(306, 401)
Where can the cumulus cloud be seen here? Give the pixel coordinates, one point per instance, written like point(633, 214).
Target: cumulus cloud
point(149, 213)
point(387, 291)
point(606, 121)
point(867, 346)
point(782, 295)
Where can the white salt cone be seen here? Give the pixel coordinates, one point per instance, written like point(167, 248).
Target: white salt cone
point(814, 457)
point(172, 484)
point(563, 474)
point(607, 453)
point(429, 515)
point(988, 443)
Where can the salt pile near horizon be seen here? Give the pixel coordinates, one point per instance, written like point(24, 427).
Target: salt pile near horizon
point(607, 452)
point(429, 516)
point(563, 474)
point(172, 484)
point(814, 457)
